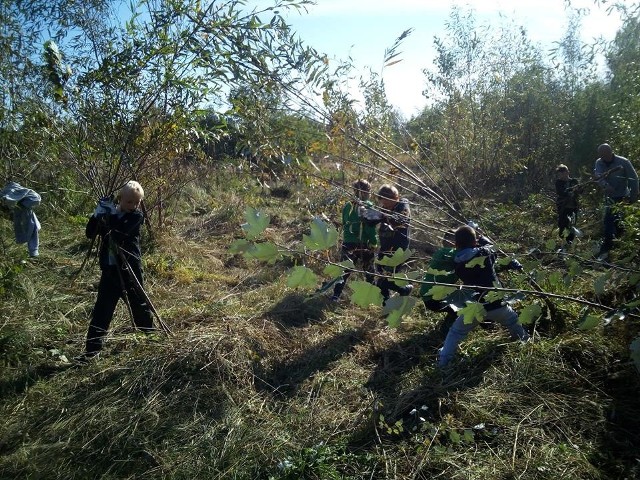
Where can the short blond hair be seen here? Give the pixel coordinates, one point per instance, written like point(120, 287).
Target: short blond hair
point(133, 187)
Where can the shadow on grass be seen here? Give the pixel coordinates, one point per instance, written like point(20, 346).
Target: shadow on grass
point(621, 440)
point(297, 310)
point(20, 383)
point(285, 377)
point(117, 411)
point(395, 363)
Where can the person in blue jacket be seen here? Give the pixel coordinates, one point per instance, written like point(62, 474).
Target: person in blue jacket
point(619, 182)
point(480, 273)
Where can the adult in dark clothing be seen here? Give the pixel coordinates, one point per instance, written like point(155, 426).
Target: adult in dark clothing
point(119, 229)
point(393, 234)
point(566, 203)
point(484, 275)
point(619, 182)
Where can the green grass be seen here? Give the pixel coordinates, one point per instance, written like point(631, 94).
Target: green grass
point(259, 382)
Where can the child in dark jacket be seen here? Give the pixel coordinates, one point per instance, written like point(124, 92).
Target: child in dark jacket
point(119, 228)
point(566, 203)
point(467, 249)
point(359, 235)
point(394, 234)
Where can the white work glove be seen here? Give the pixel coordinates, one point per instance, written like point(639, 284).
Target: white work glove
point(105, 207)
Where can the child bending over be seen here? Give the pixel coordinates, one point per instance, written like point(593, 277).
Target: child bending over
point(467, 249)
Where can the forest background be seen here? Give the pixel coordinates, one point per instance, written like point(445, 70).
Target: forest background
point(226, 117)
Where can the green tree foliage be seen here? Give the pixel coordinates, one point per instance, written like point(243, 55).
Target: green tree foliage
point(624, 62)
point(133, 106)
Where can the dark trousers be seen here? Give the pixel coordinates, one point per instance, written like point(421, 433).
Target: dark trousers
point(384, 284)
point(359, 255)
point(110, 290)
point(613, 224)
point(566, 220)
point(441, 306)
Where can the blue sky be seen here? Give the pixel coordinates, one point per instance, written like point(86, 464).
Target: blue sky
point(363, 29)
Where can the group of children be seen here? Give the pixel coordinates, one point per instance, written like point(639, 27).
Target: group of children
point(361, 238)
point(452, 262)
point(369, 230)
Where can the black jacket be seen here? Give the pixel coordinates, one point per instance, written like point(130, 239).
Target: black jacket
point(121, 229)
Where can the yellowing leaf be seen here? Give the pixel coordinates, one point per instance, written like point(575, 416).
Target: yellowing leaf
point(476, 262)
point(399, 257)
point(301, 276)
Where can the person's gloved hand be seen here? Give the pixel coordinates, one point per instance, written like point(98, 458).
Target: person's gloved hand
point(515, 265)
point(105, 207)
point(371, 214)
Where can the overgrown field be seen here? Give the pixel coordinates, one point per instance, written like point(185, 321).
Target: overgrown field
point(261, 381)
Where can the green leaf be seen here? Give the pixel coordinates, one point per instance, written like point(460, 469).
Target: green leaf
point(575, 268)
point(365, 294)
point(440, 292)
point(634, 278)
point(514, 297)
point(398, 258)
point(396, 307)
point(240, 246)
point(402, 279)
point(256, 223)
point(476, 262)
point(473, 311)
point(555, 279)
point(323, 236)
point(504, 261)
point(468, 436)
point(589, 323)
point(600, 283)
point(550, 245)
point(635, 352)
point(301, 276)
point(493, 296)
point(454, 436)
point(436, 273)
point(529, 314)
point(333, 270)
point(459, 299)
point(265, 252)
